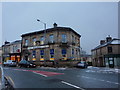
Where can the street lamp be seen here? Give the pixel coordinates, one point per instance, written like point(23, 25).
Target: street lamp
point(44, 28)
point(43, 23)
point(44, 34)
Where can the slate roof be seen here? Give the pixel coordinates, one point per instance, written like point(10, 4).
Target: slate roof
point(14, 42)
point(49, 30)
point(112, 42)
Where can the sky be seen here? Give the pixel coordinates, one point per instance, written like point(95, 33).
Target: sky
point(94, 21)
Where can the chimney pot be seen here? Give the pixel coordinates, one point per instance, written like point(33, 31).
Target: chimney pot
point(109, 38)
point(55, 25)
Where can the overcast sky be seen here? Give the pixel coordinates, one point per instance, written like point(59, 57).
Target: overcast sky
point(92, 20)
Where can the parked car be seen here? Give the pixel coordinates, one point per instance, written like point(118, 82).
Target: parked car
point(10, 63)
point(24, 63)
point(82, 64)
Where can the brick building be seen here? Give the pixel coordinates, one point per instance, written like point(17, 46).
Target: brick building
point(107, 53)
point(57, 45)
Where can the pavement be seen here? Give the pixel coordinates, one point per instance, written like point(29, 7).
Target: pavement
point(49, 77)
point(91, 69)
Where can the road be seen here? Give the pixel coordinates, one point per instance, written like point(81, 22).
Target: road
point(83, 79)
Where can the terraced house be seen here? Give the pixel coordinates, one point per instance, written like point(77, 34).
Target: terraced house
point(53, 46)
point(107, 53)
point(11, 51)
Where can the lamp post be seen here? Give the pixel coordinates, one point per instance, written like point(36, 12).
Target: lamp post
point(44, 36)
point(44, 28)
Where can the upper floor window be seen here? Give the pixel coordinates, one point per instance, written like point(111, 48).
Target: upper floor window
point(78, 41)
point(109, 49)
point(72, 51)
point(14, 49)
point(51, 37)
point(34, 41)
point(26, 42)
point(42, 40)
point(73, 40)
point(76, 51)
point(64, 38)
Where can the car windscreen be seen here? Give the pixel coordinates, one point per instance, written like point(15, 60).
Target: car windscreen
point(82, 62)
point(23, 61)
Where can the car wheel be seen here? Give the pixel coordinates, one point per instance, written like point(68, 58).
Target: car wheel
point(19, 66)
point(28, 66)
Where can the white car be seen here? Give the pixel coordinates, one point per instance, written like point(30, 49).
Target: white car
point(82, 64)
point(10, 63)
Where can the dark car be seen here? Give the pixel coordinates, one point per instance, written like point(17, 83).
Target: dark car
point(24, 63)
point(82, 64)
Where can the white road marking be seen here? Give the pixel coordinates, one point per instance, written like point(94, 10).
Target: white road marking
point(72, 85)
point(101, 80)
point(40, 74)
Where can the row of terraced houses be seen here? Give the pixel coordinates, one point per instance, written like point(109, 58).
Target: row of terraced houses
point(60, 46)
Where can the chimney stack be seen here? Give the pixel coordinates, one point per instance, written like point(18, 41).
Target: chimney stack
point(109, 38)
point(6, 42)
point(102, 42)
point(54, 25)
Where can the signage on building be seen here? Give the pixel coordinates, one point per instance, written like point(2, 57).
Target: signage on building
point(45, 46)
point(6, 55)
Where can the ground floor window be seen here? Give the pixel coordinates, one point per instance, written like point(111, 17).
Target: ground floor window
point(18, 58)
point(42, 55)
point(51, 54)
point(13, 57)
point(34, 55)
point(117, 62)
point(64, 54)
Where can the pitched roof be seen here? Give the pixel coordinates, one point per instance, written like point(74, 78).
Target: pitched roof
point(14, 42)
point(112, 42)
point(49, 30)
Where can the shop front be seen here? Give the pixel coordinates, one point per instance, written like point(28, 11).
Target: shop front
point(112, 60)
point(15, 56)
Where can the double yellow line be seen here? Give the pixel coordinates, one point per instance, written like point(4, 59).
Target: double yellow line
point(9, 78)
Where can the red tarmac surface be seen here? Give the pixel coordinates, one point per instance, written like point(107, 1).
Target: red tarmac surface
point(46, 73)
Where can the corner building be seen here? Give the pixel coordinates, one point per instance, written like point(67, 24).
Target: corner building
point(107, 54)
point(53, 46)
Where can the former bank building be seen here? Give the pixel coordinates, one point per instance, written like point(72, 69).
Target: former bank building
point(57, 45)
